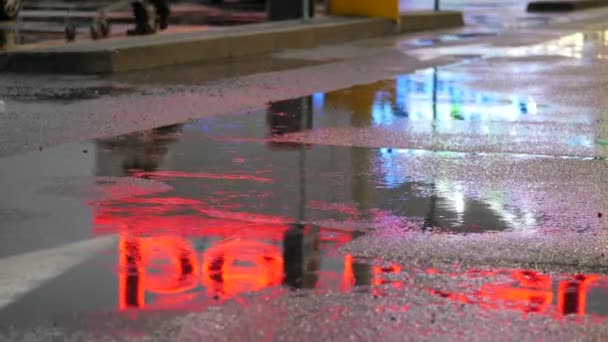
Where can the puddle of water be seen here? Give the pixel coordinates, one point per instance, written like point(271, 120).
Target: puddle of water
point(449, 38)
point(433, 109)
point(234, 210)
point(295, 183)
point(234, 221)
point(236, 217)
point(430, 100)
point(431, 95)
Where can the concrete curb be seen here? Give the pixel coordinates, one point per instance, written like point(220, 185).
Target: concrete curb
point(564, 6)
point(426, 21)
point(133, 53)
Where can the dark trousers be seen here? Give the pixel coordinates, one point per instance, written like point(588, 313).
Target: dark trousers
point(142, 17)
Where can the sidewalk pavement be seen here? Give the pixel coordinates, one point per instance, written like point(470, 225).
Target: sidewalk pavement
point(132, 53)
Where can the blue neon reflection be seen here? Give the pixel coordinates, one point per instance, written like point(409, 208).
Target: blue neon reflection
point(414, 96)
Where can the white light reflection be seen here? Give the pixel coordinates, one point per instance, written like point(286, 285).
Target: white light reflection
point(532, 107)
point(570, 46)
point(521, 219)
point(453, 193)
point(394, 173)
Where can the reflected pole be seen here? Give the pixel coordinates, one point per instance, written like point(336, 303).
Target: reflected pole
point(306, 115)
point(293, 242)
point(434, 95)
point(429, 221)
point(302, 213)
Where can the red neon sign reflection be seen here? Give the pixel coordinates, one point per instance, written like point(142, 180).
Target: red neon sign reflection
point(526, 291)
point(161, 265)
point(573, 294)
point(169, 265)
point(240, 266)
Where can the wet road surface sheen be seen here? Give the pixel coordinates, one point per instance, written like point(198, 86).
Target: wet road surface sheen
point(208, 212)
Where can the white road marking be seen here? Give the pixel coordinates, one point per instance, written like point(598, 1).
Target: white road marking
point(23, 273)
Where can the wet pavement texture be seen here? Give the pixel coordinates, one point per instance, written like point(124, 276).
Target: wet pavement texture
point(461, 201)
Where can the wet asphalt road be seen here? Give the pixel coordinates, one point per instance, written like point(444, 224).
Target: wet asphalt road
point(432, 187)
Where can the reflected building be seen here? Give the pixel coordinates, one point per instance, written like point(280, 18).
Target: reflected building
point(141, 151)
point(290, 116)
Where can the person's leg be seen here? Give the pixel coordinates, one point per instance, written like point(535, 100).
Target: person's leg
point(142, 19)
point(162, 11)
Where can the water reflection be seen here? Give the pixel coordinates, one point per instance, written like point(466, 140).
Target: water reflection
point(434, 109)
point(242, 216)
point(140, 151)
point(301, 184)
point(178, 273)
point(454, 203)
point(577, 46)
point(216, 235)
point(431, 95)
point(161, 272)
point(290, 116)
point(435, 101)
point(523, 290)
